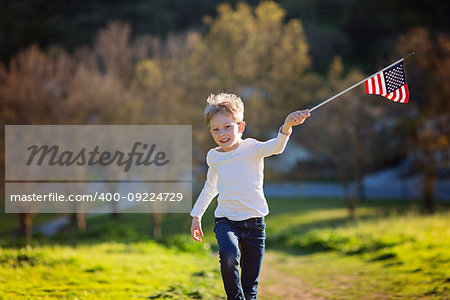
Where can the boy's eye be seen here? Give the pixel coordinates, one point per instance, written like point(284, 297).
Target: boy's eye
point(215, 129)
point(228, 126)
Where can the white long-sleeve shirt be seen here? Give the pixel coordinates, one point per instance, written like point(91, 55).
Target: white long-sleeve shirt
point(237, 176)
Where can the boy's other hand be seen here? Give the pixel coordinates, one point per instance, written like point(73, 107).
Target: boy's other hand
point(196, 229)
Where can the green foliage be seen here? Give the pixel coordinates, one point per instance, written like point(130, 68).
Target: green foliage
point(73, 24)
point(356, 30)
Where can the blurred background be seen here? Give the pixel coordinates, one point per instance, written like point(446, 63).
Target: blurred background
point(156, 61)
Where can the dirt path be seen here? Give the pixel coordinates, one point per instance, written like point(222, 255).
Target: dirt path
point(276, 284)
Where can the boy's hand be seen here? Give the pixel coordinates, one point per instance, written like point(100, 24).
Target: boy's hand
point(196, 229)
point(293, 119)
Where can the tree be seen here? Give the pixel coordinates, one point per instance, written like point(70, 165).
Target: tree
point(255, 54)
point(169, 87)
point(347, 131)
point(31, 92)
point(428, 120)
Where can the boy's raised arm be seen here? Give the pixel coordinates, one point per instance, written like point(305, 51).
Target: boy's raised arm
point(277, 145)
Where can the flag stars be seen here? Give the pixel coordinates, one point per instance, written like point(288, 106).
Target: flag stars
point(390, 83)
point(394, 77)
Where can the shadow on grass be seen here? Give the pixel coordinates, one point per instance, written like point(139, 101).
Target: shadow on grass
point(130, 228)
point(316, 234)
point(126, 228)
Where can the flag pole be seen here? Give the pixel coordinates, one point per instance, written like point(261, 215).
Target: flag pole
point(356, 84)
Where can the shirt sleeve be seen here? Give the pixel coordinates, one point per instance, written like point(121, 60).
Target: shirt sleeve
point(208, 193)
point(272, 146)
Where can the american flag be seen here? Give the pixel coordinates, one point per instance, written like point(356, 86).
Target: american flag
point(390, 83)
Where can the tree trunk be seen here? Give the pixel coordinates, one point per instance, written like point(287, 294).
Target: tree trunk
point(360, 192)
point(26, 225)
point(429, 181)
point(114, 204)
point(428, 202)
point(351, 201)
point(115, 211)
point(157, 225)
point(79, 219)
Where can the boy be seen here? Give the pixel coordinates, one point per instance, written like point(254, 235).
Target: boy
point(236, 174)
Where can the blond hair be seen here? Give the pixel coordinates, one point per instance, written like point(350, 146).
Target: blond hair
point(228, 103)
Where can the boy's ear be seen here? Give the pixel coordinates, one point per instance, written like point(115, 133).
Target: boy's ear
point(241, 127)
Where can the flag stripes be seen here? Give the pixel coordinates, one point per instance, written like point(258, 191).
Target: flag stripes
point(401, 95)
point(390, 83)
point(396, 80)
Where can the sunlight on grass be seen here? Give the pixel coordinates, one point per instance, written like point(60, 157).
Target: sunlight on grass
point(108, 270)
point(391, 250)
point(405, 255)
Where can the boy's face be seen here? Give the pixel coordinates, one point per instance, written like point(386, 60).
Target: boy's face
point(225, 131)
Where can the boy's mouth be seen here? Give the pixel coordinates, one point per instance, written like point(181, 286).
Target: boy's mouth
point(223, 141)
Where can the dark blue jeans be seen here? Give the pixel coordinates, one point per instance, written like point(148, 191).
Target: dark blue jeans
point(240, 242)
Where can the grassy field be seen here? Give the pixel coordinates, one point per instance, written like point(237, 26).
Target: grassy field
point(390, 251)
point(396, 253)
point(108, 271)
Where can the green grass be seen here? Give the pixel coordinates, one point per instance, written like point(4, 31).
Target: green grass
point(108, 271)
point(406, 256)
point(390, 251)
point(336, 276)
